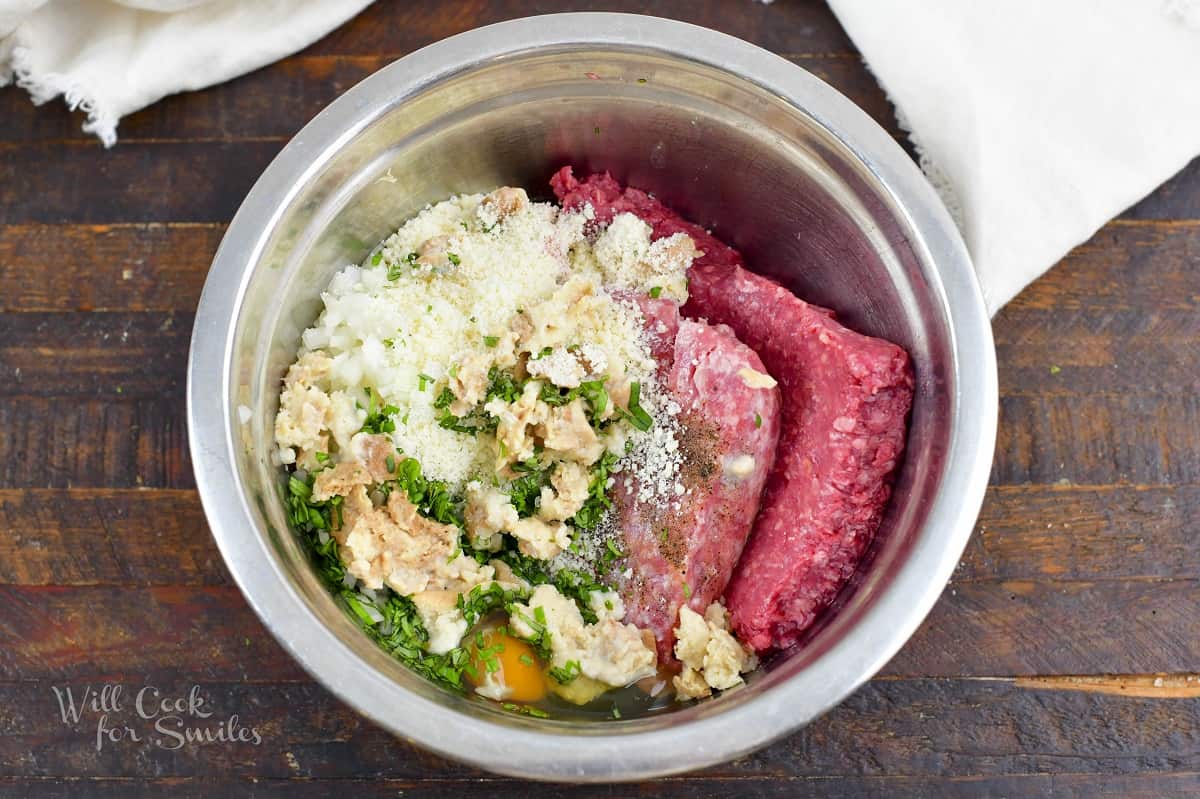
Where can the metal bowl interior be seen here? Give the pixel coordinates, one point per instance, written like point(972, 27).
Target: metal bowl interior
point(776, 163)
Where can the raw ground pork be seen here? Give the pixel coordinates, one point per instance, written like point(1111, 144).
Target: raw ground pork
point(682, 548)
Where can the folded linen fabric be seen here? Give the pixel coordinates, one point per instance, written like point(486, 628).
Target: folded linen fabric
point(1037, 121)
point(112, 57)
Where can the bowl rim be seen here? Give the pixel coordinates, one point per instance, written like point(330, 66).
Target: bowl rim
point(624, 753)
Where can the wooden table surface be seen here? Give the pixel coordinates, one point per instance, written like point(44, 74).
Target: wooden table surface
point(1061, 660)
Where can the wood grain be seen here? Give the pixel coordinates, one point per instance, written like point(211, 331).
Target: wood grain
point(978, 629)
point(1129, 266)
point(1084, 533)
point(205, 181)
point(139, 267)
point(1116, 352)
point(1061, 661)
point(130, 537)
point(1107, 438)
point(1071, 358)
point(796, 26)
point(1025, 533)
point(90, 354)
point(1043, 627)
point(275, 102)
point(137, 182)
point(1151, 686)
point(1147, 785)
point(1175, 199)
point(205, 633)
point(889, 728)
point(117, 442)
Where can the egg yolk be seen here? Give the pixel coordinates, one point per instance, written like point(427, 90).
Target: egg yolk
point(511, 662)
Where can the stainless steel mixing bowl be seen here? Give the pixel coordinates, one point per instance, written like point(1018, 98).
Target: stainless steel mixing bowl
point(811, 190)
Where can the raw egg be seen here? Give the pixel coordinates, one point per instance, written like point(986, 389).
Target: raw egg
point(509, 661)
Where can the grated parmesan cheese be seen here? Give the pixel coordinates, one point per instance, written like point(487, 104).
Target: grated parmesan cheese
point(468, 285)
point(401, 336)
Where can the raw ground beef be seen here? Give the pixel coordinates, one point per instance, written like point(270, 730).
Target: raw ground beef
point(682, 548)
point(846, 398)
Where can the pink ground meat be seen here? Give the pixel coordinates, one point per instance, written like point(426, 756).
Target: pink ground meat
point(845, 402)
point(681, 548)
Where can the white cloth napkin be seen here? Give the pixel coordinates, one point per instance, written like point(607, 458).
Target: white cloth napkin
point(1037, 120)
point(112, 57)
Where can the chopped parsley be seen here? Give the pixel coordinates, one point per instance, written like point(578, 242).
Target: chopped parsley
point(757, 420)
point(636, 415)
point(454, 259)
point(501, 385)
point(379, 419)
point(592, 391)
point(357, 608)
point(656, 292)
point(406, 639)
point(471, 423)
point(597, 502)
point(310, 518)
point(431, 497)
point(579, 586)
point(528, 568)
point(525, 491)
point(612, 552)
point(483, 599)
point(567, 673)
point(527, 710)
point(400, 632)
point(540, 640)
point(376, 259)
point(596, 396)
